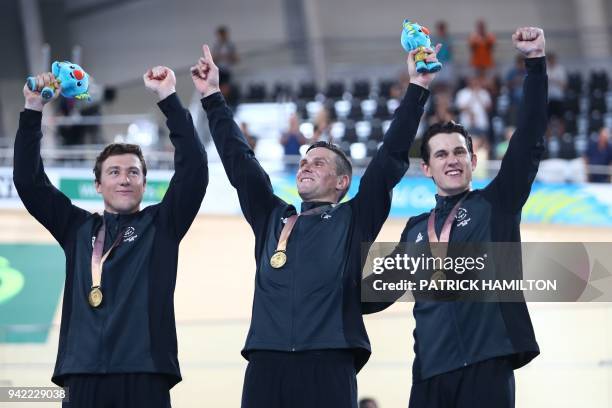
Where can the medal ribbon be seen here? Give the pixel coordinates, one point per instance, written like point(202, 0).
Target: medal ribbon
point(441, 250)
point(288, 227)
point(97, 259)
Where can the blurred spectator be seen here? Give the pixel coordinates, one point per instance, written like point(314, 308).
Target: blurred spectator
point(502, 147)
point(474, 103)
point(482, 44)
point(514, 82)
point(250, 138)
point(445, 56)
point(557, 81)
point(225, 56)
point(322, 127)
point(398, 89)
point(442, 110)
point(224, 51)
point(228, 89)
point(481, 150)
point(441, 37)
point(492, 84)
point(554, 135)
point(367, 403)
point(291, 141)
point(599, 153)
point(489, 82)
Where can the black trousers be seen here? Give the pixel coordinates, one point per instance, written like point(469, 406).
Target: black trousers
point(489, 383)
point(117, 391)
point(308, 379)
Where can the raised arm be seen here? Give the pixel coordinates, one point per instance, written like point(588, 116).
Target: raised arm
point(46, 203)
point(389, 164)
point(244, 172)
point(182, 201)
point(519, 166)
point(373, 301)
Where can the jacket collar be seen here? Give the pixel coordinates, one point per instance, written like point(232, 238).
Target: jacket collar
point(309, 205)
point(118, 219)
point(447, 202)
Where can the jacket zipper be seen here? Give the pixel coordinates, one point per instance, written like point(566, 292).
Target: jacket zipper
point(295, 234)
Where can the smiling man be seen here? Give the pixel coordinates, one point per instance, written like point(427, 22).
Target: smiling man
point(307, 339)
point(466, 352)
point(120, 172)
point(448, 158)
point(117, 343)
point(324, 174)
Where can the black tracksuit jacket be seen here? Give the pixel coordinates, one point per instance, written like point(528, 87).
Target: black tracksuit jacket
point(133, 331)
point(451, 335)
point(314, 301)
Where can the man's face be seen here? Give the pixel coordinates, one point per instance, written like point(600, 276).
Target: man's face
point(317, 179)
point(122, 183)
point(450, 164)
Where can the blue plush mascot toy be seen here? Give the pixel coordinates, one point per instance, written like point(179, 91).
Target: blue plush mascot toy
point(73, 79)
point(415, 36)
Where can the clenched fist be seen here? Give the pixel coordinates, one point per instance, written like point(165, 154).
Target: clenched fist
point(160, 80)
point(34, 99)
point(422, 79)
point(529, 41)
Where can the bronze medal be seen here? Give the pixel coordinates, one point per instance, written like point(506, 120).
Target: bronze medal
point(278, 260)
point(95, 296)
point(441, 251)
point(97, 261)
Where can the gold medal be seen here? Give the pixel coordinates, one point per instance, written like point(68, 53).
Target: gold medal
point(95, 296)
point(438, 276)
point(278, 260)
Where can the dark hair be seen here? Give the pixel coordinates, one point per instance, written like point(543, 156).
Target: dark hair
point(343, 164)
point(116, 149)
point(367, 402)
point(448, 127)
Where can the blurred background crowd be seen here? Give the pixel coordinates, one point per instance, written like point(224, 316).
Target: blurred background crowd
point(315, 85)
point(294, 72)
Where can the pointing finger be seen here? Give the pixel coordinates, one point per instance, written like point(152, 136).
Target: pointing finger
point(207, 54)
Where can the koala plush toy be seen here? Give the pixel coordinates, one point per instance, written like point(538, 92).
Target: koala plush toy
point(415, 36)
point(73, 79)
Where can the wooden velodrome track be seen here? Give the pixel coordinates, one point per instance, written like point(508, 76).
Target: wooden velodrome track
point(213, 304)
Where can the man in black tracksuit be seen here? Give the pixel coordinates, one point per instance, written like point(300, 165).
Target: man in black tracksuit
point(465, 352)
point(307, 339)
point(118, 349)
